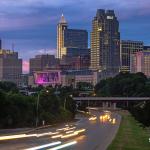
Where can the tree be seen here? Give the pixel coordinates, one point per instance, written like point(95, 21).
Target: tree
point(17, 110)
point(8, 86)
point(128, 85)
point(124, 84)
point(84, 86)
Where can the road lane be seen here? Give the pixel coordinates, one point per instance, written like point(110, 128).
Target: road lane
point(98, 135)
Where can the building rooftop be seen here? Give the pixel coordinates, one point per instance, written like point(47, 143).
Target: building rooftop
point(2, 51)
point(77, 72)
point(132, 41)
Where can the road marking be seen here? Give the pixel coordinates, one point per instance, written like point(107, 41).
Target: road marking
point(44, 146)
point(10, 137)
point(69, 135)
point(64, 145)
point(56, 136)
point(19, 136)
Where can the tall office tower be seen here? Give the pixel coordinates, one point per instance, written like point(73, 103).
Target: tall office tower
point(61, 27)
point(10, 66)
point(105, 42)
point(41, 62)
point(140, 62)
point(127, 48)
point(75, 38)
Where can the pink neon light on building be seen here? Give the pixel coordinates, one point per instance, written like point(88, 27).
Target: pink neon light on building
point(47, 77)
point(140, 62)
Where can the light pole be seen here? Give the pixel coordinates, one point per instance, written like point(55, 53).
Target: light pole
point(66, 101)
point(37, 107)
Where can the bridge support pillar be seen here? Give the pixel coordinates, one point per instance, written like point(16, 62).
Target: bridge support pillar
point(103, 104)
point(106, 104)
point(127, 104)
point(114, 105)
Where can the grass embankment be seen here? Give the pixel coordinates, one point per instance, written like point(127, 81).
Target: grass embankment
point(130, 136)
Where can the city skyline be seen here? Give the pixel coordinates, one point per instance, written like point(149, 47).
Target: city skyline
point(31, 25)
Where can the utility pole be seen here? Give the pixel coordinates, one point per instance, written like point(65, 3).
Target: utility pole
point(65, 103)
point(37, 109)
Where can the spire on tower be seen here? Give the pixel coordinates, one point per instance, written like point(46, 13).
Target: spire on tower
point(62, 20)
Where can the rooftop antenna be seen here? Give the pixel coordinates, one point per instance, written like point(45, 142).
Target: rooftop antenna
point(13, 47)
point(45, 51)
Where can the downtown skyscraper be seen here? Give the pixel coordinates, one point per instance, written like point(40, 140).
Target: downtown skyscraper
point(105, 42)
point(69, 38)
point(62, 25)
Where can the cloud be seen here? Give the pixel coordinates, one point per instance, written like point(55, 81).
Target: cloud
point(31, 24)
point(25, 66)
point(35, 3)
point(47, 51)
point(32, 54)
point(16, 14)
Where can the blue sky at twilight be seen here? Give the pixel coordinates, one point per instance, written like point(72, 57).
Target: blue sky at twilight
point(31, 24)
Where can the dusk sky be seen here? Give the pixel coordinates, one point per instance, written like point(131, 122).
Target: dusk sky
point(31, 24)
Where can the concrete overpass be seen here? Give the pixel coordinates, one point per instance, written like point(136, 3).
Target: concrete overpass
point(109, 102)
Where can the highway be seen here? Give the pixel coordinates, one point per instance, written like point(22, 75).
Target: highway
point(93, 133)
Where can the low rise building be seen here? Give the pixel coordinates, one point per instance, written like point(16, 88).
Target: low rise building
point(40, 62)
point(10, 66)
point(140, 62)
point(64, 78)
point(76, 58)
point(127, 48)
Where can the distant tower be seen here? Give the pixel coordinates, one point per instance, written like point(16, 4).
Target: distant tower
point(105, 38)
point(61, 27)
point(13, 47)
point(0, 44)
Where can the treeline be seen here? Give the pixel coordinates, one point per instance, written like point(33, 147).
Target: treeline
point(17, 110)
point(128, 85)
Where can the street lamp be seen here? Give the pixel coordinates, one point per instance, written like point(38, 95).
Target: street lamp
point(37, 107)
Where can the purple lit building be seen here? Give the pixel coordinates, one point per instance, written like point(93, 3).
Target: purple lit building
point(49, 77)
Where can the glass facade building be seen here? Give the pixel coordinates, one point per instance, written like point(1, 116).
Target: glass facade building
point(76, 38)
point(72, 51)
point(76, 58)
point(127, 48)
point(69, 38)
point(105, 42)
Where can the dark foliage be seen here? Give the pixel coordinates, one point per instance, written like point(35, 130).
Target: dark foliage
point(17, 110)
point(128, 85)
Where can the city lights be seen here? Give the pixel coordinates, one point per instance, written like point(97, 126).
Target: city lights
point(93, 118)
point(56, 136)
point(69, 135)
point(74, 84)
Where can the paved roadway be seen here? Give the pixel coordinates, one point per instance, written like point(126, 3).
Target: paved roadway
point(98, 136)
